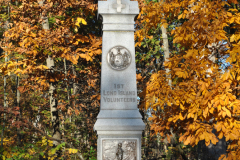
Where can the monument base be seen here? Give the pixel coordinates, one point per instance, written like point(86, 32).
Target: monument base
point(119, 145)
point(119, 134)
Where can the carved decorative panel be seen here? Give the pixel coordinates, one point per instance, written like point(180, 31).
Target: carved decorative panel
point(119, 149)
point(119, 58)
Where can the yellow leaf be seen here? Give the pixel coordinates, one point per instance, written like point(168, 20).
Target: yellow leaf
point(195, 117)
point(226, 101)
point(233, 10)
point(180, 116)
point(229, 14)
point(75, 43)
point(189, 53)
point(168, 103)
point(224, 114)
point(181, 106)
point(228, 113)
point(232, 38)
point(214, 140)
point(180, 16)
point(50, 143)
point(76, 29)
point(82, 55)
point(84, 22)
point(226, 75)
point(207, 143)
point(73, 150)
point(211, 110)
point(99, 51)
point(28, 30)
point(189, 115)
point(153, 99)
point(207, 136)
point(221, 102)
point(223, 157)
point(231, 20)
point(80, 20)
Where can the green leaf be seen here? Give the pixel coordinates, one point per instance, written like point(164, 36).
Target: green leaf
point(41, 153)
point(53, 151)
point(21, 155)
point(27, 155)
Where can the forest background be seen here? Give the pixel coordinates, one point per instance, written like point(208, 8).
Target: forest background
point(187, 59)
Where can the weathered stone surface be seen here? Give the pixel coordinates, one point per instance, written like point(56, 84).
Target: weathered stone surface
point(119, 120)
point(110, 7)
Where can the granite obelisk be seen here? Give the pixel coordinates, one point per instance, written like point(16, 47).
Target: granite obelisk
point(119, 124)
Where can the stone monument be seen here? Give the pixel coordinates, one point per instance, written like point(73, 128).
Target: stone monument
point(119, 124)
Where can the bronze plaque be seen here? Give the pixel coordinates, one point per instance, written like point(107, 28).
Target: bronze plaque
point(119, 149)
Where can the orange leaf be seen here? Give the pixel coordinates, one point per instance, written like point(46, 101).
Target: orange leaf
point(168, 138)
point(21, 89)
point(139, 77)
point(187, 141)
point(220, 136)
point(205, 113)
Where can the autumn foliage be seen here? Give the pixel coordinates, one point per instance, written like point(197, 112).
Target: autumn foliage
point(194, 94)
point(204, 71)
point(73, 41)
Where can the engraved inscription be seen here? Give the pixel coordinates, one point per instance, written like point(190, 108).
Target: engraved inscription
point(106, 99)
point(119, 58)
point(118, 86)
point(110, 96)
point(119, 92)
point(119, 149)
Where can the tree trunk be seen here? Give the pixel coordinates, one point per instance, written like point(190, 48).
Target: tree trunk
point(74, 85)
point(166, 52)
point(5, 85)
point(52, 89)
point(68, 92)
point(168, 76)
point(19, 135)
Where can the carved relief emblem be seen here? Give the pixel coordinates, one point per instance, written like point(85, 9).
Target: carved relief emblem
point(119, 149)
point(119, 58)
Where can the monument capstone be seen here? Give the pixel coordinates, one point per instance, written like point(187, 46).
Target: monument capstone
point(119, 124)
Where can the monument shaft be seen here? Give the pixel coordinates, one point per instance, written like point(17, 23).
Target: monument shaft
point(119, 124)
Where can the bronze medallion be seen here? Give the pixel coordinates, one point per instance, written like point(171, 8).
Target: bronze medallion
point(119, 58)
